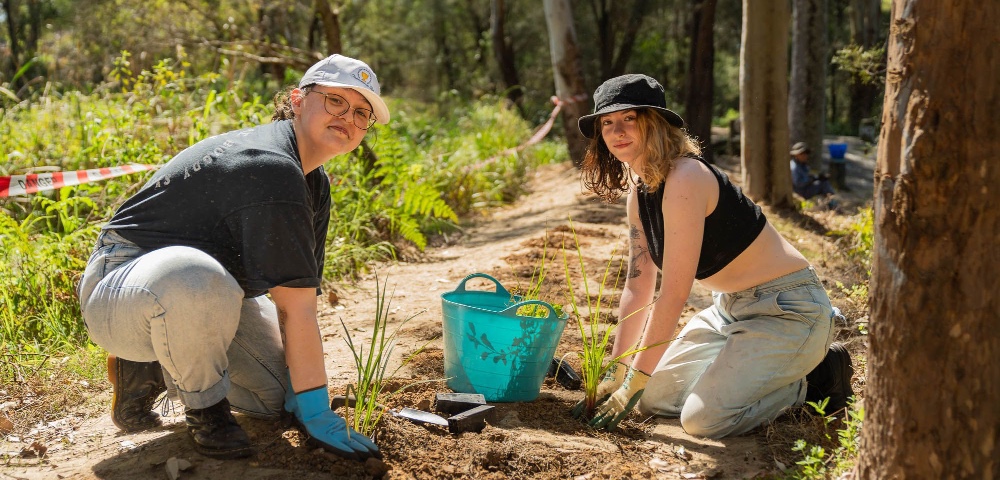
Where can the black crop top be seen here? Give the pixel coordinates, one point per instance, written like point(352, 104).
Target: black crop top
point(729, 229)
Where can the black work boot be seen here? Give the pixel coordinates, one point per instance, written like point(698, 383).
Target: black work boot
point(831, 379)
point(136, 385)
point(215, 432)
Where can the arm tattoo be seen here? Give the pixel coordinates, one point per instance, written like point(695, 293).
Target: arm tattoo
point(638, 256)
point(282, 316)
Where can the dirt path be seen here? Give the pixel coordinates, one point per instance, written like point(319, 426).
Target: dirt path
point(524, 440)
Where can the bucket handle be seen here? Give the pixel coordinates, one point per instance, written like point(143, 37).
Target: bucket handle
point(512, 310)
point(500, 289)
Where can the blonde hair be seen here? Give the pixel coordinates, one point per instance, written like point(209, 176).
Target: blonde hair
point(662, 144)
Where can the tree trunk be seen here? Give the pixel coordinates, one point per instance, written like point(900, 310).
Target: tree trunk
point(806, 96)
point(933, 387)
point(331, 25)
point(864, 32)
point(639, 9)
point(701, 80)
point(767, 177)
point(445, 49)
point(13, 63)
point(568, 74)
point(605, 12)
point(503, 51)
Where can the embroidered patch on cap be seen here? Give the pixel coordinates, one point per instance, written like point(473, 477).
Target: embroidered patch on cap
point(364, 76)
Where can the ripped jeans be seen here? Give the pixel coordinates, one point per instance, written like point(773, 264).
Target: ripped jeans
point(180, 307)
point(741, 362)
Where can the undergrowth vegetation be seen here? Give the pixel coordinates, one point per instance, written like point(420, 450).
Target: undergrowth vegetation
point(416, 177)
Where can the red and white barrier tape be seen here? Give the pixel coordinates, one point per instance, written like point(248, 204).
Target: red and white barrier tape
point(40, 182)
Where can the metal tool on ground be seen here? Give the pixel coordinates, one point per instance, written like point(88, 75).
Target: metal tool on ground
point(411, 414)
point(455, 403)
point(565, 375)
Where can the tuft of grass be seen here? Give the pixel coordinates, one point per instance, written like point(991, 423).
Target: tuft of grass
point(595, 335)
point(372, 365)
point(44, 255)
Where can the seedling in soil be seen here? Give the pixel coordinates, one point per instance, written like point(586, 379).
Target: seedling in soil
point(595, 336)
point(373, 365)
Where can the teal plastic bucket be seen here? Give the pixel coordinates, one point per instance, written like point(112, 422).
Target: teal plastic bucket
point(492, 350)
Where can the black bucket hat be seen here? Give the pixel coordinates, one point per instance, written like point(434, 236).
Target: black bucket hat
point(628, 92)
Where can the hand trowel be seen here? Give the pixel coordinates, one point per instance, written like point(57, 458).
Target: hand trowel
point(411, 414)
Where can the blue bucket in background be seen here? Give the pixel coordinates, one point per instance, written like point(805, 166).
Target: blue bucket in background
point(493, 343)
point(837, 150)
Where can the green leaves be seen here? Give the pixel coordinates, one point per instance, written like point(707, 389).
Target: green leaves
point(373, 364)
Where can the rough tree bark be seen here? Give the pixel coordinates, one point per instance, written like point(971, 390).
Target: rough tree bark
point(933, 388)
point(568, 74)
point(701, 78)
point(807, 89)
point(764, 102)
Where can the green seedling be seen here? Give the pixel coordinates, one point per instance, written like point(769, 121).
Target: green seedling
point(533, 290)
point(373, 366)
point(595, 336)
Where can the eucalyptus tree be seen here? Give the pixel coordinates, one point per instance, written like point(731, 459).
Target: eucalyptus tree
point(807, 87)
point(701, 75)
point(764, 103)
point(568, 73)
point(934, 286)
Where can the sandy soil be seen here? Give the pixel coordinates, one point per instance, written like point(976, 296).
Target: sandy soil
point(536, 439)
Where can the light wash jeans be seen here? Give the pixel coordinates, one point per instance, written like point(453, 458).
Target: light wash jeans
point(743, 361)
point(179, 306)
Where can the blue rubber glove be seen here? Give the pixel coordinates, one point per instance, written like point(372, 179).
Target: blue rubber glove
point(617, 407)
point(327, 429)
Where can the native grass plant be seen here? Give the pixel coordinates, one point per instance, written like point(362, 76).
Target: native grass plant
point(374, 373)
point(595, 335)
point(42, 257)
point(532, 291)
point(817, 462)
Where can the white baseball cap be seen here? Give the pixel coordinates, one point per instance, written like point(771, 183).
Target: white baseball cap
point(346, 72)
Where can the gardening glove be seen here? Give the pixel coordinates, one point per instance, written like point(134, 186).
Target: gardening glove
point(327, 429)
point(613, 379)
point(617, 407)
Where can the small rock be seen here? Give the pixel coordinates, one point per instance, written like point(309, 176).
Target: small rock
point(175, 466)
point(376, 468)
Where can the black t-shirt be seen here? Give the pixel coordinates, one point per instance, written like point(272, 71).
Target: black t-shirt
point(243, 198)
point(729, 229)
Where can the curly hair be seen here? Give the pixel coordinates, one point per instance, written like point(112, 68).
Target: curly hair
point(283, 103)
point(662, 144)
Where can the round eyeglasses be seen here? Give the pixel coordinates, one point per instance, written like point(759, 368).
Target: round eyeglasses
point(338, 106)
